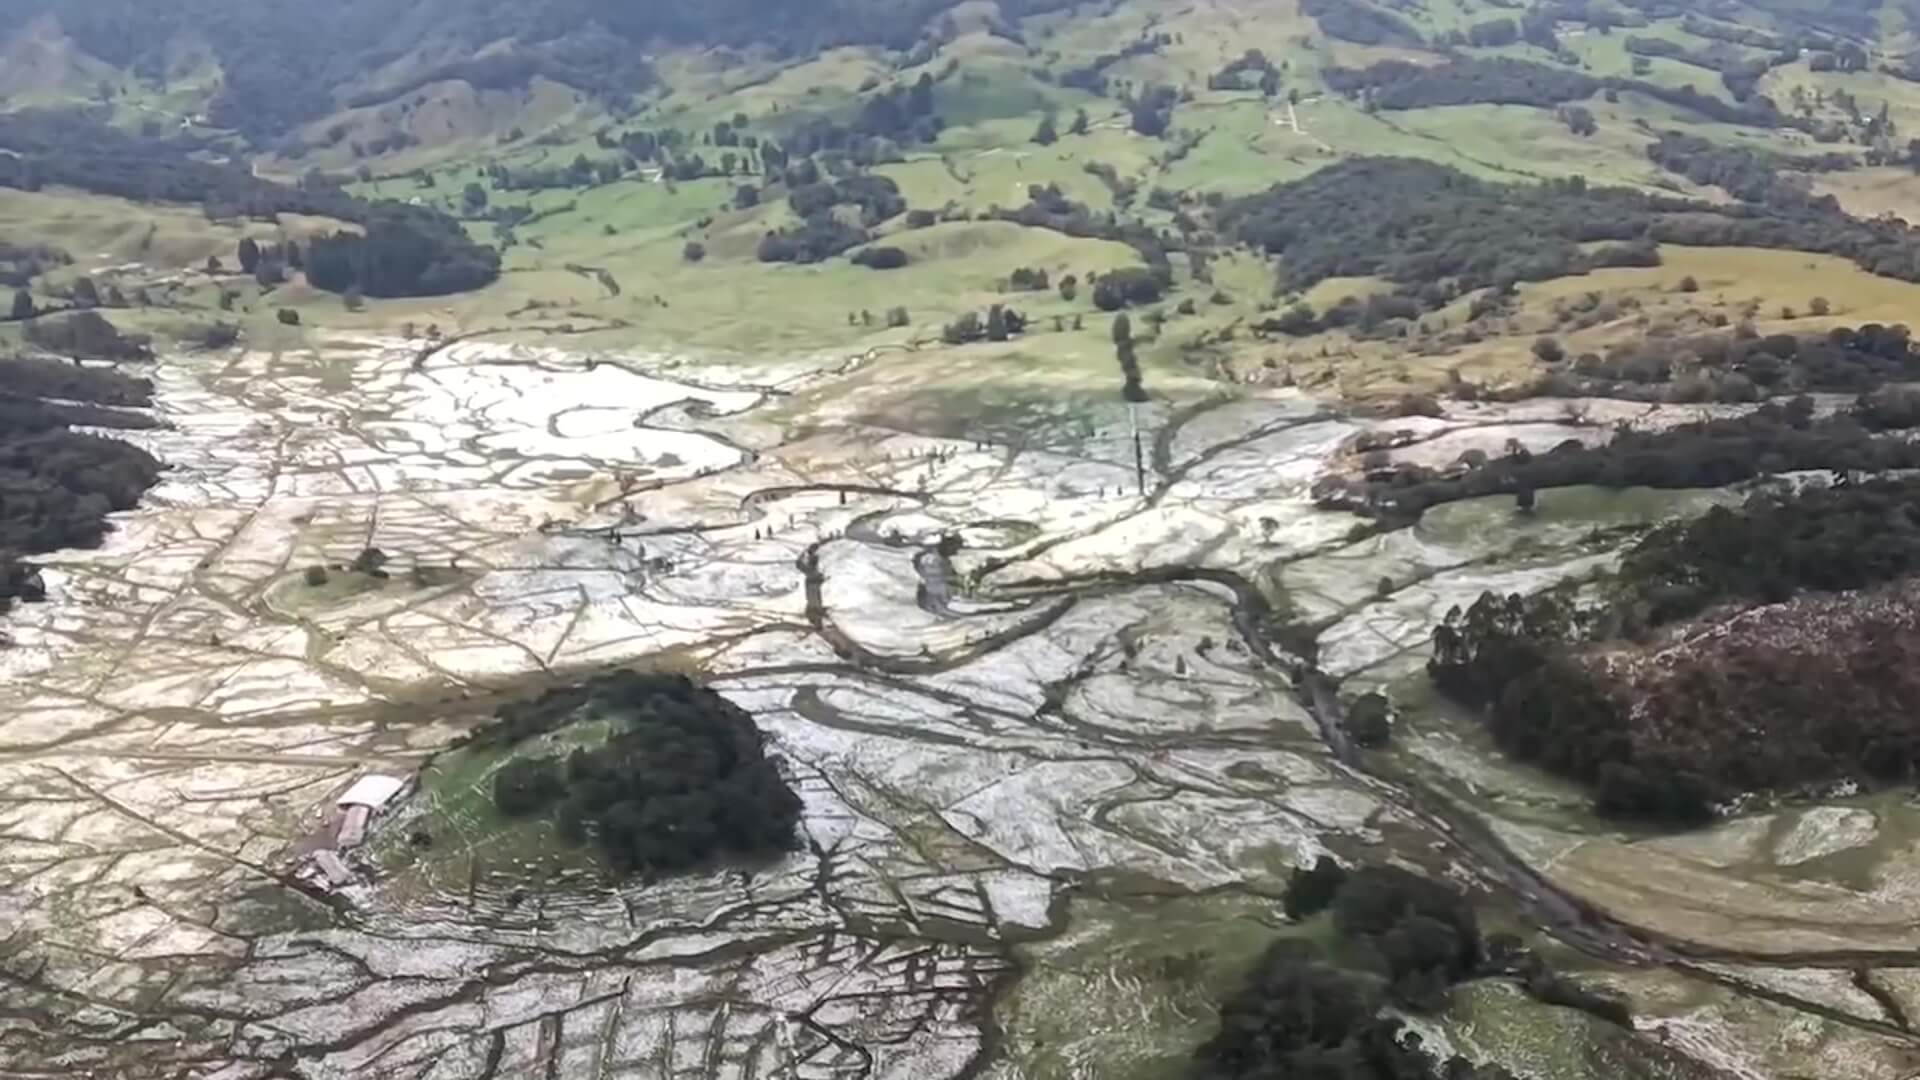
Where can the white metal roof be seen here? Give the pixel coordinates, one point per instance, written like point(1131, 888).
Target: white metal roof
point(372, 790)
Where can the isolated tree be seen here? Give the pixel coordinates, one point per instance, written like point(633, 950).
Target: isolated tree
point(213, 265)
point(694, 251)
point(85, 293)
point(1819, 306)
point(1079, 125)
point(1549, 351)
point(249, 255)
point(996, 323)
point(1368, 720)
point(369, 562)
point(22, 305)
point(1689, 284)
point(1311, 891)
point(1046, 134)
point(289, 317)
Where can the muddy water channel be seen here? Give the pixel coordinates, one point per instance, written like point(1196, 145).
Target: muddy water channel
point(1055, 775)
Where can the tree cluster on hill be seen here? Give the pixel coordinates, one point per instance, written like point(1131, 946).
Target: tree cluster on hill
point(1092, 76)
point(1360, 23)
point(1501, 80)
point(1823, 539)
point(1739, 72)
point(1813, 690)
point(1000, 323)
point(56, 486)
point(1439, 233)
point(405, 251)
point(1029, 279)
point(1408, 939)
point(1251, 66)
point(1743, 367)
point(1743, 172)
point(1129, 286)
point(76, 148)
point(21, 263)
point(1497, 80)
point(1151, 109)
point(593, 63)
point(1738, 35)
point(880, 257)
point(682, 778)
point(1049, 208)
point(1776, 438)
point(822, 233)
point(581, 172)
point(1299, 1016)
point(285, 62)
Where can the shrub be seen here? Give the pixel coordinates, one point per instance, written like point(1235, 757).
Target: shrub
point(881, 258)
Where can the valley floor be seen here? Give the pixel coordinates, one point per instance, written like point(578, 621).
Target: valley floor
point(1052, 786)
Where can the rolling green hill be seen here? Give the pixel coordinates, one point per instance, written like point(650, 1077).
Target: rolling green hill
point(630, 162)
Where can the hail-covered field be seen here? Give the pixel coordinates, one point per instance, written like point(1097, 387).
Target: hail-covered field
point(1054, 779)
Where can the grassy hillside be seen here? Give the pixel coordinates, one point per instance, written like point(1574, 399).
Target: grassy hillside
point(1255, 93)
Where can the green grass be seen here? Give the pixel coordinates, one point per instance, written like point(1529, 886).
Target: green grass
point(1495, 1021)
point(1131, 991)
point(472, 840)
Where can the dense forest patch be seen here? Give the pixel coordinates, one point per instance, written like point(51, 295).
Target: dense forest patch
point(58, 486)
point(682, 778)
point(77, 148)
point(1399, 939)
point(1500, 80)
point(1667, 718)
point(1742, 366)
point(1361, 23)
point(1776, 438)
point(404, 251)
point(284, 62)
point(400, 250)
point(1438, 233)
